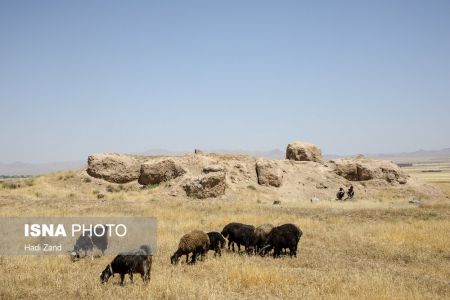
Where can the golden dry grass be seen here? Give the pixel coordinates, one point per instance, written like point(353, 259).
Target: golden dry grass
point(366, 249)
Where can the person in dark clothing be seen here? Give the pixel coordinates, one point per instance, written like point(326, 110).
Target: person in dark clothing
point(340, 194)
point(350, 192)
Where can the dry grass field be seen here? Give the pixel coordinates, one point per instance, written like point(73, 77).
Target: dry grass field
point(378, 248)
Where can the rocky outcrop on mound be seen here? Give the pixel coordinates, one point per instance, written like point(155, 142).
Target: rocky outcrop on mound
point(301, 151)
point(303, 176)
point(112, 167)
point(361, 169)
point(213, 168)
point(154, 173)
point(268, 173)
point(207, 186)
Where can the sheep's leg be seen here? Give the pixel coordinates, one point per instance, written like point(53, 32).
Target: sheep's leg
point(187, 258)
point(144, 271)
point(194, 257)
point(122, 278)
point(276, 252)
point(204, 253)
point(291, 251)
point(131, 276)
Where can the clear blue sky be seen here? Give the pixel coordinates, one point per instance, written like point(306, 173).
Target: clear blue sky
point(78, 77)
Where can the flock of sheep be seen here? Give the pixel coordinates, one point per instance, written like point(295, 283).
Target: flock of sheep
point(260, 240)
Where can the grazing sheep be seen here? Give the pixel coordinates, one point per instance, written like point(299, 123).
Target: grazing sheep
point(137, 261)
point(216, 242)
point(195, 242)
point(240, 234)
point(261, 233)
point(88, 242)
point(284, 236)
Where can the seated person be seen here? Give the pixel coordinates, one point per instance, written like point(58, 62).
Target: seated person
point(340, 194)
point(350, 192)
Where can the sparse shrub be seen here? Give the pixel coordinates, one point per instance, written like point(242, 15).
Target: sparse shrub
point(87, 179)
point(38, 195)
point(251, 187)
point(11, 185)
point(95, 192)
point(29, 182)
point(100, 196)
point(69, 175)
point(150, 186)
point(114, 189)
point(71, 195)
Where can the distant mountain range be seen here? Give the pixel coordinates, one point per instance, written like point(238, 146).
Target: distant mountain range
point(407, 157)
point(21, 168)
point(274, 154)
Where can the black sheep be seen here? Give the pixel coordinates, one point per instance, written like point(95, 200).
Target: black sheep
point(88, 242)
point(241, 234)
point(284, 236)
point(138, 261)
point(216, 242)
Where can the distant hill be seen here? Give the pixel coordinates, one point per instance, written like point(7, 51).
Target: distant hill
point(407, 157)
point(273, 154)
point(20, 168)
point(414, 157)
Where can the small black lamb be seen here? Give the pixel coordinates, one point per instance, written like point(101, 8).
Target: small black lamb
point(138, 261)
point(216, 242)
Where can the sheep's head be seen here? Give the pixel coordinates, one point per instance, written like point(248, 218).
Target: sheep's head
point(266, 249)
point(250, 250)
point(74, 254)
point(107, 272)
point(174, 259)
